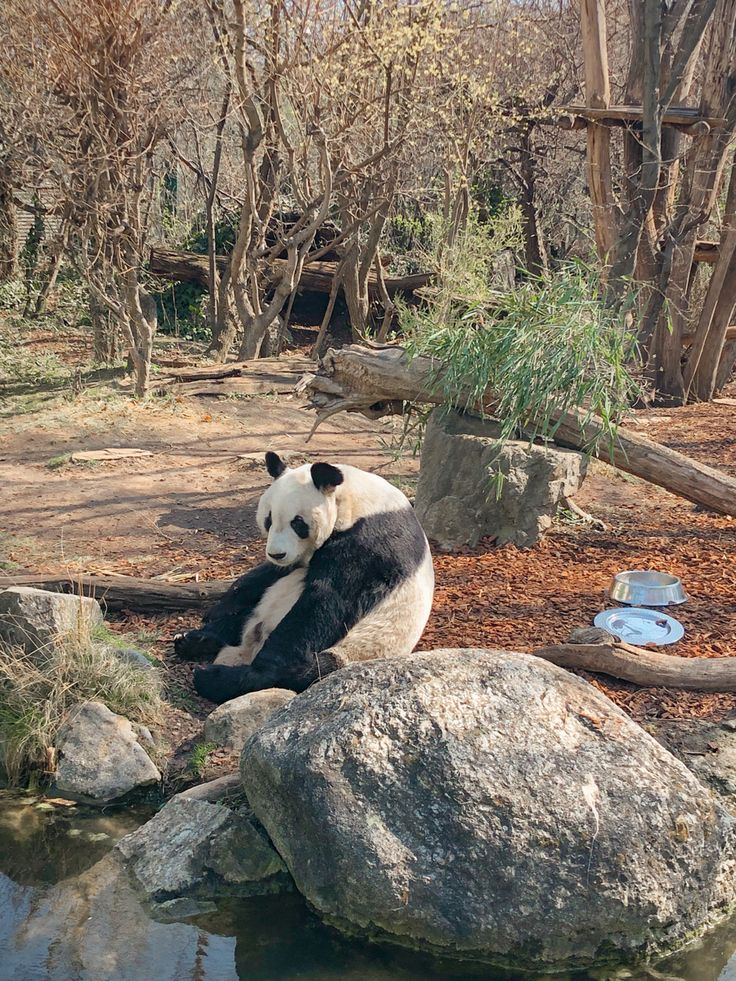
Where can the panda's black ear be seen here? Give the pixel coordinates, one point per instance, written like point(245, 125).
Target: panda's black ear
point(274, 464)
point(326, 477)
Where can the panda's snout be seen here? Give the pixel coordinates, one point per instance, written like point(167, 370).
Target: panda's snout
point(276, 556)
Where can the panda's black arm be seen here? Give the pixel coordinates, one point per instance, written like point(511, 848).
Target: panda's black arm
point(223, 623)
point(246, 592)
point(346, 578)
point(296, 654)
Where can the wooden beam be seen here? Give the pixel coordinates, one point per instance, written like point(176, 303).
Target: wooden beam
point(681, 117)
point(646, 667)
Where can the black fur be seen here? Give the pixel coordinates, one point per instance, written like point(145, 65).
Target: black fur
point(325, 476)
point(346, 578)
point(274, 464)
point(223, 623)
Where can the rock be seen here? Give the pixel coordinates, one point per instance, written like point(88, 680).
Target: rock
point(132, 657)
point(193, 848)
point(707, 749)
point(93, 927)
point(99, 756)
point(456, 499)
point(221, 789)
point(233, 722)
point(38, 620)
point(489, 805)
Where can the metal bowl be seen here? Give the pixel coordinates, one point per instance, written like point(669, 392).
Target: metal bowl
point(641, 588)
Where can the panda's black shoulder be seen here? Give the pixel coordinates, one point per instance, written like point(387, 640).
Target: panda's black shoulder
point(390, 542)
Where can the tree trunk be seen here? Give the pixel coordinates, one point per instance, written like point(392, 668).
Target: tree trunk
point(104, 331)
point(535, 253)
point(127, 593)
point(378, 382)
point(8, 227)
point(725, 366)
point(190, 267)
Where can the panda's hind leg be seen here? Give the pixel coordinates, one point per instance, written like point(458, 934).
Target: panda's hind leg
point(220, 682)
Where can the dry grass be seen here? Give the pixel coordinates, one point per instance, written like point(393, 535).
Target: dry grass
point(39, 688)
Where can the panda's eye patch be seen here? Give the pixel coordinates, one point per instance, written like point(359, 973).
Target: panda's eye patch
point(267, 523)
point(300, 526)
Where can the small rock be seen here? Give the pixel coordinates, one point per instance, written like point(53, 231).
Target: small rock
point(99, 756)
point(184, 908)
point(234, 722)
point(195, 848)
point(38, 620)
point(133, 658)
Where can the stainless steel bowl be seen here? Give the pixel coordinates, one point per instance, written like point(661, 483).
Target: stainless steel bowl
point(642, 588)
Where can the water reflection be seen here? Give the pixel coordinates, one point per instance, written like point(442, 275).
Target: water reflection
point(67, 911)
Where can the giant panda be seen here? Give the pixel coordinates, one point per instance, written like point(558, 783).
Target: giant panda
point(349, 577)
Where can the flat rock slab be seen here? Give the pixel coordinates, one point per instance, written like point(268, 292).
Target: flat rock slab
point(37, 620)
point(456, 500)
point(110, 453)
point(194, 848)
point(234, 722)
point(489, 805)
point(100, 757)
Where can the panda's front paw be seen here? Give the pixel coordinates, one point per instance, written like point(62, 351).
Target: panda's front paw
point(219, 682)
point(197, 645)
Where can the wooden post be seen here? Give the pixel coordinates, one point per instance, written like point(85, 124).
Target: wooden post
point(598, 96)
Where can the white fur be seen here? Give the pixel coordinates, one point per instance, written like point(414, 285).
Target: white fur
point(395, 625)
point(360, 495)
point(273, 607)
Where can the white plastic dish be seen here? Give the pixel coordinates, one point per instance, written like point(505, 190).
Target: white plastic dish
point(639, 626)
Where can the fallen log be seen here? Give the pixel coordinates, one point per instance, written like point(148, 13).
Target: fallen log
point(127, 593)
point(645, 667)
point(376, 381)
point(191, 267)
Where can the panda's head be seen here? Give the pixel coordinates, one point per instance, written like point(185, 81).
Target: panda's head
point(297, 513)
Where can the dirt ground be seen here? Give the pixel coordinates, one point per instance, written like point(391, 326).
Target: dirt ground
point(187, 512)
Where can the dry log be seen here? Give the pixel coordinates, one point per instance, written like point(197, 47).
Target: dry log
point(261, 377)
point(375, 381)
point(127, 593)
point(648, 668)
point(317, 276)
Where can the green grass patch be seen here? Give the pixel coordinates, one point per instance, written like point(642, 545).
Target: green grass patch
point(199, 757)
point(57, 462)
point(39, 688)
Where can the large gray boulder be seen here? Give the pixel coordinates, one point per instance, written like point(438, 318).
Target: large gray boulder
point(456, 500)
point(100, 757)
point(193, 848)
point(489, 804)
point(234, 722)
point(38, 620)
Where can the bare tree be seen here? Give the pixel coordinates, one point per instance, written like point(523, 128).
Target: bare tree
point(106, 71)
